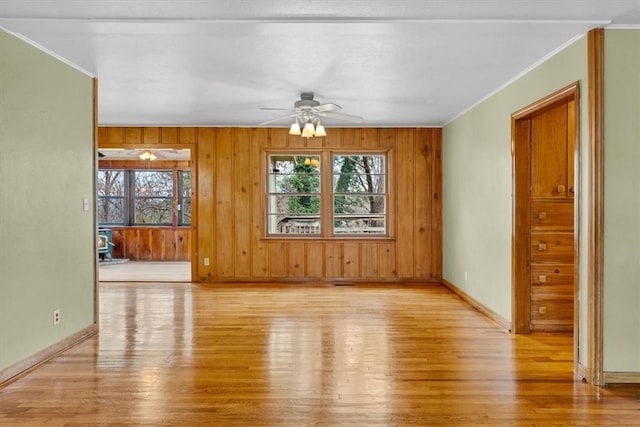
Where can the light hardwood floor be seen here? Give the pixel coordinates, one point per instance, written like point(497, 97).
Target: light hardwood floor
point(293, 355)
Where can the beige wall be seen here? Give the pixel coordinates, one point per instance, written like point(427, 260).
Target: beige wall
point(477, 180)
point(622, 201)
point(46, 169)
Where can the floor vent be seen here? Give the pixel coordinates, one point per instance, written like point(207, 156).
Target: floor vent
point(342, 283)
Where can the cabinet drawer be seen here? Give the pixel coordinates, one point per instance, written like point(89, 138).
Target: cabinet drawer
point(552, 314)
point(551, 274)
point(554, 248)
point(552, 215)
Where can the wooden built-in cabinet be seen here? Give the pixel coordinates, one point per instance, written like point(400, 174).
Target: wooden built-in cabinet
point(552, 251)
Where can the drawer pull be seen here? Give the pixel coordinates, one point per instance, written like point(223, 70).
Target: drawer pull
point(542, 215)
point(542, 247)
point(560, 188)
point(542, 278)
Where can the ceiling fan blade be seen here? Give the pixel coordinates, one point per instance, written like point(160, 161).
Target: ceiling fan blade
point(341, 116)
point(278, 119)
point(330, 106)
point(275, 109)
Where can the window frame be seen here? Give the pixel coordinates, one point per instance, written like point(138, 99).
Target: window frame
point(123, 197)
point(327, 194)
point(134, 197)
point(177, 219)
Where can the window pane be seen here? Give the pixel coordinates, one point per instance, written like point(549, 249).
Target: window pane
point(153, 183)
point(111, 210)
point(185, 211)
point(359, 174)
point(299, 224)
point(358, 204)
point(111, 182)
point(294, 214)
point(294, 174)
point(151, 210)
point(294, 194)
point(359, 224)
point(185, 183)
point(359, 194)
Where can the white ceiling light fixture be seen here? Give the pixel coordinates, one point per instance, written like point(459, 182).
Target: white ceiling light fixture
point(147, 155)
point(295, 128)
point(307, 112)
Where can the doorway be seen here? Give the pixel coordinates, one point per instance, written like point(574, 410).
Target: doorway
point(545, 240)
point(144, 210)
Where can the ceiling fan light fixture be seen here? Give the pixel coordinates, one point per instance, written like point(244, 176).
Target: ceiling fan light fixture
point(320, 130)
point(147, 155)
point(308, 130)
point(295, 129)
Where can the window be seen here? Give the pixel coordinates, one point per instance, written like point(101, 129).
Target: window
point(349, 199)
point(152, 197)
point(144, 197)
point(111, 197)
point(294, 194)
point(359, 197)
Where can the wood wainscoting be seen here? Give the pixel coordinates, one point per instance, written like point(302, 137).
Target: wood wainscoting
point(151, 243)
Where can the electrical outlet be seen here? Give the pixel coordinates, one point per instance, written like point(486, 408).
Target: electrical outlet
point(206, 261)
point(56, 317)
point(466, 276)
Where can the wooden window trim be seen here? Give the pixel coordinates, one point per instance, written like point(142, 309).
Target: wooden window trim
point(326, 196)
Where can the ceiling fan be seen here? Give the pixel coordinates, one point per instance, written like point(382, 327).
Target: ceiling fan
point(308, 110)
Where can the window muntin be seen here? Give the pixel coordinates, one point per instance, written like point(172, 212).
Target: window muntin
point(359, 194)
point(294, 202)
point(111, 197)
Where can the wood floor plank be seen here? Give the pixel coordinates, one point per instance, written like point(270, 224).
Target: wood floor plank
point(292, 355)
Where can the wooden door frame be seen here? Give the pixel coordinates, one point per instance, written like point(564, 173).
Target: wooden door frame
point(521, 172)
point(193, 155)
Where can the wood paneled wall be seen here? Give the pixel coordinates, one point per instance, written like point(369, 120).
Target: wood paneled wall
point(229, 219)
point(151, 243)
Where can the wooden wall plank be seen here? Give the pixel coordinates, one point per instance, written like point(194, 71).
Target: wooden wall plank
point(187, 136)
point(170, 238)
point(423, 155)
point(224, 190)
point(314, 261)
point(405, 191)
point(115, 136)
point(278, 260)
point(351, 260)
point(151, 135)
point(296, 262)
point(333, 265)
point(279, 138)
point(259, 254)
point(242, 203)
point(369, 260)
point(205, 164)
point(387, 261)
point(436, 206)
point(169, 135)
point(133, 136)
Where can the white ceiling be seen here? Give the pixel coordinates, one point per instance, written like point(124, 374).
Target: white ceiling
point(215, 63)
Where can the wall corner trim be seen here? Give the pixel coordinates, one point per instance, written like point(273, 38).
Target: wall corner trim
point(501, 321)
